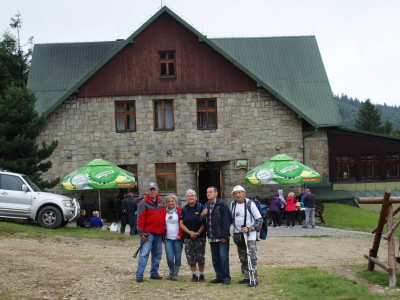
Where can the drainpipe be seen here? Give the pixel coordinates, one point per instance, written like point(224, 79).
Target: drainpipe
point(304, 145)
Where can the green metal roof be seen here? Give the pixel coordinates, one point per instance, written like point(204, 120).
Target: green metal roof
point(289, 68)
point(374, 193)
point(292, 68)
point(56, 67)
point(368, 132)
point(327, 195)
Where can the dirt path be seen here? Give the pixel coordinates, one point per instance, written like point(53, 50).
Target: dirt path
point(71, 268)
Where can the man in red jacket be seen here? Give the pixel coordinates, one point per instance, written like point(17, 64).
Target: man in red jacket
point(151, 226)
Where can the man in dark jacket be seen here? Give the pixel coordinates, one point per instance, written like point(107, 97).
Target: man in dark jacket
point(309, 203)
point(130, 206)
point(218, 222)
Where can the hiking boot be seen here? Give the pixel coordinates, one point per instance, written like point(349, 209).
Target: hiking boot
point(158, 277)
point(170, 276)
point(227, 282)
point(139, 279)
point(244, 281)
point(253, 284)
point(195, 278)
point(305, 226)
point(201, 278)
point(216, 280)
point(313, 226)
point(175, 277)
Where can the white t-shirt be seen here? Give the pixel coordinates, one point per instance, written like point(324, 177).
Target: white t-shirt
point(239, 217)
point(172, 225)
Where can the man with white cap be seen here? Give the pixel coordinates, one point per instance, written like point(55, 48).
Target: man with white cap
point(151, 226)
point(246, 219)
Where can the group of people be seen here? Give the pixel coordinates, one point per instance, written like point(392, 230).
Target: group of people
point(94, 222)
point(164, 221)
point(305, 203)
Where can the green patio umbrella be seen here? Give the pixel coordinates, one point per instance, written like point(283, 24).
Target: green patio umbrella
point(282, 169)
point(97, 175)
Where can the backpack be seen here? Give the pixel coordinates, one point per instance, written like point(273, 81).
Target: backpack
point(248, 201)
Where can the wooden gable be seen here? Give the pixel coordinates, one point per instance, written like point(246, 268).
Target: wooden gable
point(135, 70)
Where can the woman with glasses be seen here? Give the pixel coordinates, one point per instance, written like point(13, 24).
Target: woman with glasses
point(173, 236)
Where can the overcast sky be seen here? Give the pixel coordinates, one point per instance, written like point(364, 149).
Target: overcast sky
point(359, 40)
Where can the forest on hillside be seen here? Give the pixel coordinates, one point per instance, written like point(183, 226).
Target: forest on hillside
point(348, 109)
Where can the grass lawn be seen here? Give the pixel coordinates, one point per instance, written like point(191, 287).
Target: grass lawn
point(349, 217)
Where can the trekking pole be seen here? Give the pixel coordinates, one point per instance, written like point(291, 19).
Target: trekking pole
point(138, 250)
point(252, 277)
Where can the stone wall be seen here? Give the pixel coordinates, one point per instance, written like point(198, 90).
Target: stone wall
point(251, 125)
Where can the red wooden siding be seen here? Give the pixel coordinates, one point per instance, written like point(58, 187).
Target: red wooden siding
point(135, 70)
point(351, 143)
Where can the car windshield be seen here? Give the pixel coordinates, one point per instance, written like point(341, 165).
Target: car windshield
point(33, 186)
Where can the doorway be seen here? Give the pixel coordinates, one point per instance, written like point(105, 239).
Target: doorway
point(208, 174)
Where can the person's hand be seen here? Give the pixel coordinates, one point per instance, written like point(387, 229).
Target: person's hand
point(224, 241)
point(193, 234)
point(204, 212)
point(144, 238)
point(178, 237)
point(245, 229)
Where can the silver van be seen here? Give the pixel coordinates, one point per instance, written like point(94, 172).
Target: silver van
point(20, 198)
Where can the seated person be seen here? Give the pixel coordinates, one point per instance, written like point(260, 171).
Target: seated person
point(81, 222)
point(95, 221)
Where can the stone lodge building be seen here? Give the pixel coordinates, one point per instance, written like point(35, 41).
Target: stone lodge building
point(176, 107)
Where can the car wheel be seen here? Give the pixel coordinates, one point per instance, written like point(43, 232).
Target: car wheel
point(50, 217)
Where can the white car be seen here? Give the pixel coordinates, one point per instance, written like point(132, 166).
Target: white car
point(20, 198)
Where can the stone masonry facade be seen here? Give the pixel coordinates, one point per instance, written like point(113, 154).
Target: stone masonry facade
point(251, 125)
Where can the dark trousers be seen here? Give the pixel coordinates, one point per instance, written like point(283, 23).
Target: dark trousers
point(220, 260)
point(276, 218)
point(290, 217)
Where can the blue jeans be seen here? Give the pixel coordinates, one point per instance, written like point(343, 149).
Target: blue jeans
point(153, 245)
point(220, 259)
point(173, 251)
point(308, 212)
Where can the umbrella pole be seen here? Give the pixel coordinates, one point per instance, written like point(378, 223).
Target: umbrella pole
point(99, 205)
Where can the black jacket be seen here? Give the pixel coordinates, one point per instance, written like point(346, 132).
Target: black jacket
point(131, 206)
point(221, 220)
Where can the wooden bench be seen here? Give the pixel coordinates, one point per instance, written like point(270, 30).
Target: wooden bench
point(319, 211)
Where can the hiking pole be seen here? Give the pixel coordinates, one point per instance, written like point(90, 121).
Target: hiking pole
point(252, 277)
point(138, 250)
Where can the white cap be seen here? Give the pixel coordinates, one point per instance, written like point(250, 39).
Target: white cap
point(238, 188)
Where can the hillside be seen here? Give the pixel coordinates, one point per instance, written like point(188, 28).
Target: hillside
point(348, 109)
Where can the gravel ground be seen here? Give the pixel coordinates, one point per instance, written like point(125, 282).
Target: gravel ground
point(74, 268)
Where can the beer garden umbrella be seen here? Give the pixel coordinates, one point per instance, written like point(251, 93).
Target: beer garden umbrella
point(98, 174)
point(282, 169)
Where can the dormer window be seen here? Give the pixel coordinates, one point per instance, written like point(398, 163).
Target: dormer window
point(167, 64)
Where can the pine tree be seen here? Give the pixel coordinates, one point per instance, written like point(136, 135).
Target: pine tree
point(368, 118)
point(20, 124)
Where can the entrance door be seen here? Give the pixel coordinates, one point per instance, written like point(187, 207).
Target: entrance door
point(208, 174)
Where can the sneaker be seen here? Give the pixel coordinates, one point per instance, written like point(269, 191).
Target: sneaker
point(158, 277)
point(313, 226)
point(139, 279)
point(195, 278)
point(175, 277)
point(305, 226)
point(201, 278)
point(244, 281)
point(216, 280)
